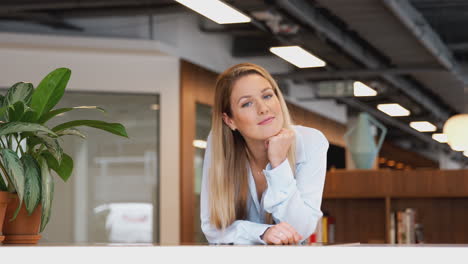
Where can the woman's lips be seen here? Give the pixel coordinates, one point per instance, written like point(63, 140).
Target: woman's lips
point(266, 121)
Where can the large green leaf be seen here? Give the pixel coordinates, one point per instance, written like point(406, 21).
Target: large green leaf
point(49, 91)
point(19, 92)
point(114, 128)
point(19, 127)
point(32, 189)
point(51, 114)
point(52, 146)
point(64, 170)
point(30, 115)
point(3, 113)
point(47, 195)
point(15, 111)
point(15, 172)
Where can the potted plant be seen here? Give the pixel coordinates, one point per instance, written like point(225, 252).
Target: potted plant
point(30, 151)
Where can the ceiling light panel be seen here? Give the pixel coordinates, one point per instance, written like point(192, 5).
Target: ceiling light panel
point(217, 11)
point(298, 56)
point(361, 89)
point(393, 109)
point(423, 126)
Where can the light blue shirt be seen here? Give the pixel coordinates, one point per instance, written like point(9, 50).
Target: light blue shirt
point(292, 199)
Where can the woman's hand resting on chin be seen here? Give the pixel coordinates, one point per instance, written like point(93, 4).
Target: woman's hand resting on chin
point(278, 146)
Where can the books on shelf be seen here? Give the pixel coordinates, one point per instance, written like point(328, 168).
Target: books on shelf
point(324, 231)
point(404, 229)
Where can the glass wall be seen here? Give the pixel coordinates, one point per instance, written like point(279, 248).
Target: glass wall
point(112, 196)
point(203, 127)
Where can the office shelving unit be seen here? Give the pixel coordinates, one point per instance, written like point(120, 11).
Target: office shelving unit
point(361, 202)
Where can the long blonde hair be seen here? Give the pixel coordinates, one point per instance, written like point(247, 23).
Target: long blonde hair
point(228, 175)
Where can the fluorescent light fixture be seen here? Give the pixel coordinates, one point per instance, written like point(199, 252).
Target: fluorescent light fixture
point(361, 89)
point(199, 143)
point(458, 148)
point(442, 138)
point(393, 109)
point(423, 126)
point(297, 56)
point(217, 11)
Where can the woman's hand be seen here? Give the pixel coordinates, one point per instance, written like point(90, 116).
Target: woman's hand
point(278, 146)
point(281, 234)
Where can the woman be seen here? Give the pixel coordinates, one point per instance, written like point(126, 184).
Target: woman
point(262, 177)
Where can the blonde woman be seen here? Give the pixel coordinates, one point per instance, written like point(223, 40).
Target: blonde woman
point(262, 177)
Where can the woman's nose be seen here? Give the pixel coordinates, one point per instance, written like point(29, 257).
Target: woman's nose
point(262, 108)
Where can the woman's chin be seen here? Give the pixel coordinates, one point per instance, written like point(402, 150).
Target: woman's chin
point(271, 132)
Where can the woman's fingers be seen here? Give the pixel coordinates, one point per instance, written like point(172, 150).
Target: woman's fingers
point(297, 236)
point(286, 236)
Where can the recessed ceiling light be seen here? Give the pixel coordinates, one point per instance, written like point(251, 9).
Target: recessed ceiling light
point(393, 109)
point(423, 126)
point(199, 143)
point(297, 56)
point(361, 89)
point(442, 138)
point(217, 11)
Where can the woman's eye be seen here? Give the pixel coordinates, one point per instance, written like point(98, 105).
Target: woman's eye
point(247, 104)
point(268, 96)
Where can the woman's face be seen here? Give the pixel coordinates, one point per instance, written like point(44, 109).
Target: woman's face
point(255, 108)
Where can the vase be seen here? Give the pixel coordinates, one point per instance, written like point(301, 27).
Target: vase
point(25, 228)
point(361, 142)
point(3, 207)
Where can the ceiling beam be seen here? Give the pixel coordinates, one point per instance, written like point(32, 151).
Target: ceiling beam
point(339, 74)
point(58, 5)
point(421, 29)
point(458, 46)
point(310, 16)
point(124, 11)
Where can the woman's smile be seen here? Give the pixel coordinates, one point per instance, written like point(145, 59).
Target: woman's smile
point(266, 121)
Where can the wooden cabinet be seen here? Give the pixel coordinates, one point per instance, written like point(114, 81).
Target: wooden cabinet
point(361, 202)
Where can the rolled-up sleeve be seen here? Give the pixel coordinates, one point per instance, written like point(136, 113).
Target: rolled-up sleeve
point(240, 231)
point(297, 200)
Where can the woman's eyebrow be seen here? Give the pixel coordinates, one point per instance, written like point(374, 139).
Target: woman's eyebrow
point(248, 96)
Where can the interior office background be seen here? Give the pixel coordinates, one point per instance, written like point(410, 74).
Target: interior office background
point(131, 66)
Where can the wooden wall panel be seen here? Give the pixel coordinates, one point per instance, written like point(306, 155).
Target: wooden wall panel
point(197, 85)
point(396, 183)
point(443, 219)
point(333, 130)
point(357, 220)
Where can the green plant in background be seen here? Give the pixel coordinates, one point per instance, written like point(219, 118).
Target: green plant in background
point(29, 149)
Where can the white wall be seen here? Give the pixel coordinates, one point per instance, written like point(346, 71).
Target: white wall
point(109, 65)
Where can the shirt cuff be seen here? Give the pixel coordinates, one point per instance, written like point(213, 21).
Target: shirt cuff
point(256, 230)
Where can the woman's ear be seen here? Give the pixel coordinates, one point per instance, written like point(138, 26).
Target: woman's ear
point(229, 122)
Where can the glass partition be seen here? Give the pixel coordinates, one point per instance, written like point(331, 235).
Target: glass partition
point(112, 196)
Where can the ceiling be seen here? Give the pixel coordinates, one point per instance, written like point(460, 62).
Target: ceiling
point(414, 52)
